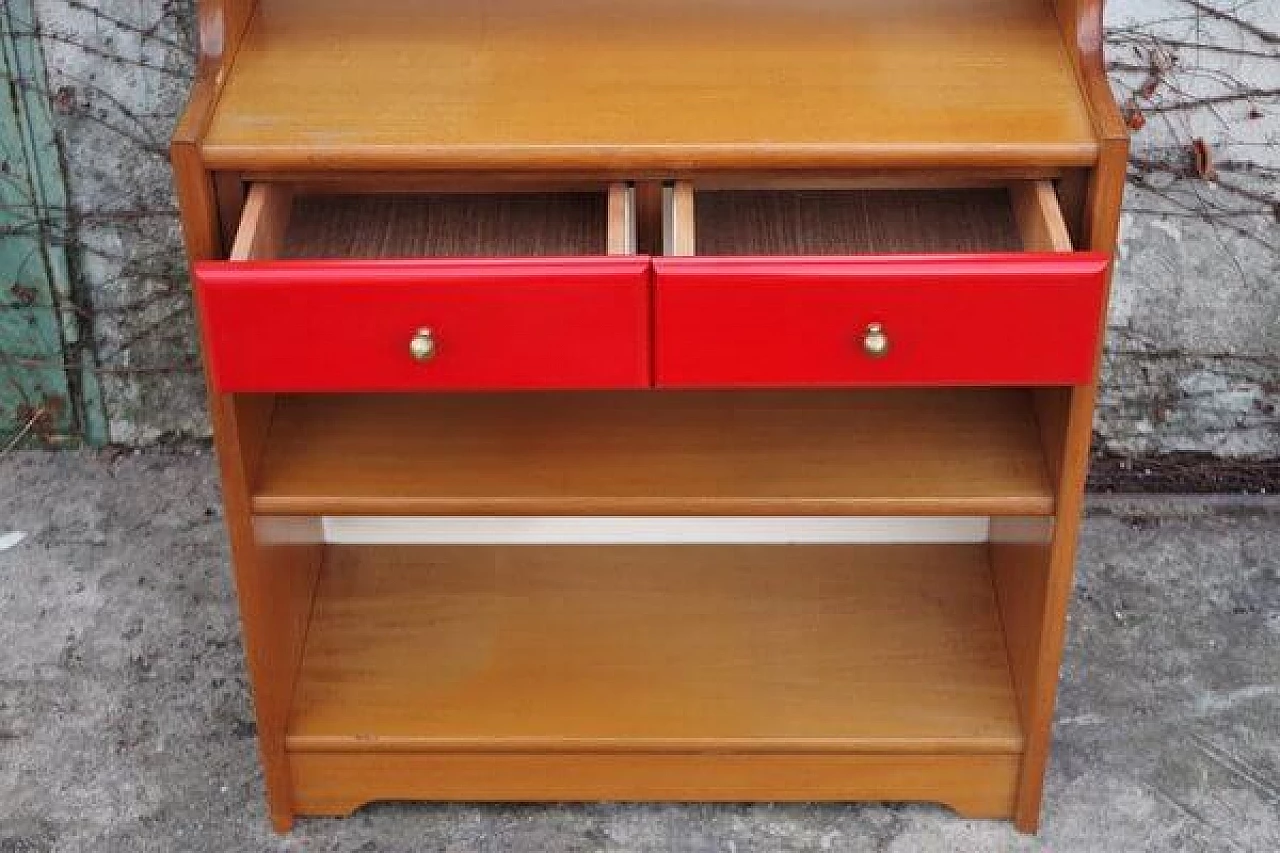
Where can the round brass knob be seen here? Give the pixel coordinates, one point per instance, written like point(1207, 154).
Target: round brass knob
point(875, 342)
point(422, 347)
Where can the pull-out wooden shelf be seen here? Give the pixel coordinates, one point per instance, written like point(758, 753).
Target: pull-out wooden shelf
point(523, 291)
point(498, 665)
point(541, 290)
point(881, 287)
point(941, 452)
point(601, 84)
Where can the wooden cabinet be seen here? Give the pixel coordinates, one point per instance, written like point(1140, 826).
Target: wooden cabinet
point(652, 400)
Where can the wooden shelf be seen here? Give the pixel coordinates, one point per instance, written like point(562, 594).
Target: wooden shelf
point(928, 452)
point(880, 649)
point(601, 84)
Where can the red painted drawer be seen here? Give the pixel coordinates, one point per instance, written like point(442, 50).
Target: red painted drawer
point(973, 318)
point(343, 324)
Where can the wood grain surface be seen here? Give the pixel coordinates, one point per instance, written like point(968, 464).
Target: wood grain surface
point(469, 225)
point(659, 648)
point(854, 222)
point(940, 452)
point(563, 84)
point(977, 785)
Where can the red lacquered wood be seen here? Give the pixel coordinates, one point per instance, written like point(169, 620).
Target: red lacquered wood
point(998, 319)
point(498, 324)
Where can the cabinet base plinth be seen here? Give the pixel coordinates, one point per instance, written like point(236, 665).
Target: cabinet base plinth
point(338, 783)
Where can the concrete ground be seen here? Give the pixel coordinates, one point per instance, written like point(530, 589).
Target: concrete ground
point(125, 725)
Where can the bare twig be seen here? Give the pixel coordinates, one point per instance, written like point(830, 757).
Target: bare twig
point(1204, 101)
point(1263, 35)
point(22, 433)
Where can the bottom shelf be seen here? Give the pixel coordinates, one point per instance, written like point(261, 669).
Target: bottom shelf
point(655, 672)
point(686, 648)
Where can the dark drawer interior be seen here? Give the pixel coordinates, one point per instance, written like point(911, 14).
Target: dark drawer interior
point(1022, 216)
point(281, 223)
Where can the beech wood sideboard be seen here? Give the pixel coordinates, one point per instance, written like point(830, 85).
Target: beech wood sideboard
point(665, 400)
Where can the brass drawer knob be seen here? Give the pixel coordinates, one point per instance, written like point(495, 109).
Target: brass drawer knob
point(422, 347)
point(875, 342)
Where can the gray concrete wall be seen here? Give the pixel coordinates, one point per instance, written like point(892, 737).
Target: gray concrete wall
point(1193, 357)
point(1193, 362)
point(118, 72)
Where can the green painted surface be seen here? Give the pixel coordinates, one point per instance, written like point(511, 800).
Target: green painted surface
point(48, 389)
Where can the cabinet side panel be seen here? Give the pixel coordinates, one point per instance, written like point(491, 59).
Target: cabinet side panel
point(197, 202)
point(220, 24)
point(1081, 24)
point(275, 570)
point(1033, 585)
point(1020, 559)
point(275, 582)
point(1034, 579)
point(237, 14)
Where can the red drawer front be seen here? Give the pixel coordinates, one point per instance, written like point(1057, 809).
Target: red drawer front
point(1025, 319)
point(496, 324)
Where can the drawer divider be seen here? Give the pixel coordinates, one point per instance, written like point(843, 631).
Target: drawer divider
point(263, 223)
point(1039, 218)
point(622, 219)
point(680, 238)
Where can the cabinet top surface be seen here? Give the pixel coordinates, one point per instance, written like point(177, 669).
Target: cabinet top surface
point(663, 84)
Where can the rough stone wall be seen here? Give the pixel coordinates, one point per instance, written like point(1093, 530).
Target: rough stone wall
point(1193, 356)
point(118, 72)
point(1193, 362)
